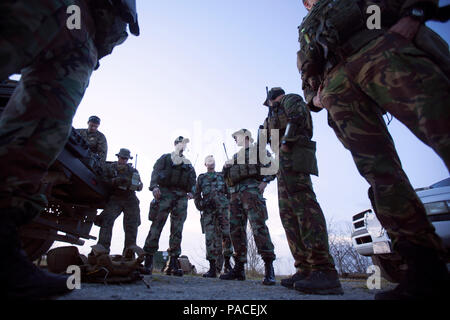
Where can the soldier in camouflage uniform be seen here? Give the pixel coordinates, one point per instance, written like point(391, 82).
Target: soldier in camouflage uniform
point(401, 68)
point(247, 185)
point(300, 213)
point(124, 181)
point(95, 139)
point(55, 64)
point(211, 198)
point(172, 184)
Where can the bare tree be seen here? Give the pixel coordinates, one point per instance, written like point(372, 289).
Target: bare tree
point(255, 265)
point(346, 258)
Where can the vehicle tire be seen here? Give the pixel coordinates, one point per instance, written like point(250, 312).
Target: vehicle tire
point(392, 267)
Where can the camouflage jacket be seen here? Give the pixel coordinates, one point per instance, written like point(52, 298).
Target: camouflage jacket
point(96, 141)
point(292, 109)
point(211, 191)
point(175, 176)
point(120, 179)
point(246, 168)
point(334, 29)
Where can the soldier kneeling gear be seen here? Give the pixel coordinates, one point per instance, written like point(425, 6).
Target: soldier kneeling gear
point(237, 273)
point(212, 270)
point(173, 267)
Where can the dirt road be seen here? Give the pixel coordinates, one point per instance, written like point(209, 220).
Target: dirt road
point(188, 287)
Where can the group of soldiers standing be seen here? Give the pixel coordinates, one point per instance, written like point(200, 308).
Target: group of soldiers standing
point(354, 72)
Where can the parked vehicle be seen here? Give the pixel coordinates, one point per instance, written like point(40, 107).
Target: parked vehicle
point(369, 238)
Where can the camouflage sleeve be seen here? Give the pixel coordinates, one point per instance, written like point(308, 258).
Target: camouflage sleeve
point(296, 110)
point(226, 191)
point(141, 185)
point(157, 168)
point(192, 180)
point(198, 194)
point(309, 93)
point(108, 173)
point(102, 147)
point(265, 126)
point(271, 177)
point(82, 133)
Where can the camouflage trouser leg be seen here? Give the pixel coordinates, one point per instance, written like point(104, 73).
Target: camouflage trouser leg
point(177, 219)
point(392, 74)
point(303, 222)
point(213, 235)
point(37, 120)
point(152, 241)
point(177, 206)
point(224, 223)
point(111, 212)
point(249, 204)
point(131, 221)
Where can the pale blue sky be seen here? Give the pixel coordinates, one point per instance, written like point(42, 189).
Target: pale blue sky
point(199, 69)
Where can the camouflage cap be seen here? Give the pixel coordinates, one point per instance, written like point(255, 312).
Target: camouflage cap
point(273, 94)
point(243, 132)
point(181, 139)
point(94, 119)
point(124, 153)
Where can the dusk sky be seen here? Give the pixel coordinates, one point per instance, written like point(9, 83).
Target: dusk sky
point(199, 69)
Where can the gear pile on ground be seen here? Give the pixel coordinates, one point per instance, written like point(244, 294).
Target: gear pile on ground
point(99, 266)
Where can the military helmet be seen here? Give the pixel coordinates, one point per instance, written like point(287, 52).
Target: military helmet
point(273, 94)
point(124, 153)
point(94, 119)
point(181, 139)
point(243, 132)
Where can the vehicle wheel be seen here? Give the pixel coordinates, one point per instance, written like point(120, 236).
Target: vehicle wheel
point(392, 267)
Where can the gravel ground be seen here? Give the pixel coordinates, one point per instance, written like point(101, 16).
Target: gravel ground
point(190, 287)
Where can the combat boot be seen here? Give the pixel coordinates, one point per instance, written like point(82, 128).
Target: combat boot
point(426, 278)
point(212, 270)
point(148, 264)
point(320, 282)
point(177, 271)
point(289, 282)
point(173, 267)
point(19, 277)
point(227, 265)
point(237, 273)
point(269, 273)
